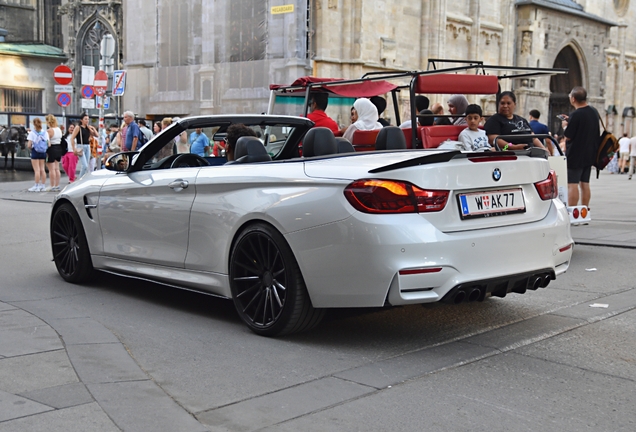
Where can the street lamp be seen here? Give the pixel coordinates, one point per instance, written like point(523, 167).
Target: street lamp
point(106, 63)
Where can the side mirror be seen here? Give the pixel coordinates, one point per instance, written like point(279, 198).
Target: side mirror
point(120, 162)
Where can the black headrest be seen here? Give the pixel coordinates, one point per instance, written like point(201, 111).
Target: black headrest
point(344, 146)
point(390, 138)
point(250, 149)
point(319, 141)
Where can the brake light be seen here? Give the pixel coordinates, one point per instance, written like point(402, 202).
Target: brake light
point(390, 196)
point(548, 188)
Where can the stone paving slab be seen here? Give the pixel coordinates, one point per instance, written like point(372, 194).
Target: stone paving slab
point(29, 340)
point(78, 331)
point(61, 396)
point(83, 418)
point(16, 318)
point(509, 392)
point(36, 371)
point(273, 408)
point(50, 309)
point(13, 407)
point(416, 364)
point(525, 332)
point(143, 406)
point(617, 303)
point(104, 363)
point(606, 347)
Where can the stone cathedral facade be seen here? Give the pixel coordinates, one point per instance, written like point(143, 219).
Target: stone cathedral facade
point(191, 57)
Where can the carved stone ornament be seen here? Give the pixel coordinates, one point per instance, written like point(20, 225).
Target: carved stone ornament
point(526, 42)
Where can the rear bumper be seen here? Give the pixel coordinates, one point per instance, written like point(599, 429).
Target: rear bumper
point(357, 262)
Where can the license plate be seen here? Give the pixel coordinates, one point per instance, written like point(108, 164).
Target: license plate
point(491, 203)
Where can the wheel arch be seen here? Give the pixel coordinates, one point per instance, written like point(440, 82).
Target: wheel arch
point(246, 224)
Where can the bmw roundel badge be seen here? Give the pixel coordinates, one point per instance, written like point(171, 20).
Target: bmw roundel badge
point(496, 174)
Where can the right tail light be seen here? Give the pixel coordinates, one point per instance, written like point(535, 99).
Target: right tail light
point(390, 196)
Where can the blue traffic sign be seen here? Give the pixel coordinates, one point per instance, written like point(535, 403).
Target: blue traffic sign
point(87, 92)
point(63, 99)
point(119, 82)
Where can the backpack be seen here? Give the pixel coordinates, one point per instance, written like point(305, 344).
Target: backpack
point(143, 139)
point(607, 148)
point(40, 143)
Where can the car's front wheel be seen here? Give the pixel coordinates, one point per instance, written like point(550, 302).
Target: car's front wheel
point(267, 286)
point(70, 248)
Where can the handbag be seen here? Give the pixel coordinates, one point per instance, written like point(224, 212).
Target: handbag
point(79, 151)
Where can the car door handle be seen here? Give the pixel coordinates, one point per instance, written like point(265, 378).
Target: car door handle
point(178, 184)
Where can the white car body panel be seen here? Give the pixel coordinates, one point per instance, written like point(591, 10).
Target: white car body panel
point(137, 225)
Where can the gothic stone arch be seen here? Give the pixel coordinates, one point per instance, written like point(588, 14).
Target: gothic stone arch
point(560, 85)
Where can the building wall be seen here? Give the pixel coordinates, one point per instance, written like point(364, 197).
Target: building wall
point(350, 37)
point(19, 18)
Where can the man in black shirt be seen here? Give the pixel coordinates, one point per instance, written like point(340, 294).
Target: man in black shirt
point(582, 133)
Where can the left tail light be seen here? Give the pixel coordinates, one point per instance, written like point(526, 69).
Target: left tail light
point(548, 188)
point(390, 196)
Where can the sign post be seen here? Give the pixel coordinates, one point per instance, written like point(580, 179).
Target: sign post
point(100, 84)
point(63, 75)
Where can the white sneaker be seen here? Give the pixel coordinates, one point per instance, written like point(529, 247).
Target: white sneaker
point(47, 189)
point(34, 188)
point(42, 187)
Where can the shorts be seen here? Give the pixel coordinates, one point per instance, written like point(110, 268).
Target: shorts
point(54, 154)
point(37, 155)
point(579, 175)
point(624, 156)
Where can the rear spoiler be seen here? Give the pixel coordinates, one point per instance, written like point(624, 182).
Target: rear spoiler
point(437, 156)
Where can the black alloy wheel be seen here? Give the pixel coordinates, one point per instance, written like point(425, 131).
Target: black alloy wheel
point(267, 287)
point(70, 248)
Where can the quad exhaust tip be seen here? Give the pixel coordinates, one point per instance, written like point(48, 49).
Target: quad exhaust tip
point(478, 292)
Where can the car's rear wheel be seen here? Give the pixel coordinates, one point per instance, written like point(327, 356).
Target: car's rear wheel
point(70, 248)
point(267, 286)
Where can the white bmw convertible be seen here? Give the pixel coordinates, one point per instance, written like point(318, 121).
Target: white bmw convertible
point(298, 222)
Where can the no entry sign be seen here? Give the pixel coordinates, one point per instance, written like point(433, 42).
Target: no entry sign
point(63, 100)
point(100, 83)
point(63, 75)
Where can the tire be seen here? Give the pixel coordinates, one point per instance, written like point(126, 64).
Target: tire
point(70, 248)
point(268, 289)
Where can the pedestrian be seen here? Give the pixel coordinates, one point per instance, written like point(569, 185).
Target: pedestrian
point(457, 104)
point(38, 143)
point(144, 129)
point(536, 126)
point(506, 122)
point(632, 159)
point(540, 129)
point(54, 153)
point(623, 152)
point(132, 135)
point(156, 128)
point(582, 133)
point(199, 143)
point(81, 135)
point(69, 160)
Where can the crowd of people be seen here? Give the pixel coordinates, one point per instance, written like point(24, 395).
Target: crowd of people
point(82, 144)
point(578, 139)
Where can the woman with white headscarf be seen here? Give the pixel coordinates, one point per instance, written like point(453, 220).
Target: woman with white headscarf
point(367, 118)
point(457, 104)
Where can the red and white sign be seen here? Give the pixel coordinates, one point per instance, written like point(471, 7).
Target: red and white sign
point(100, 83)
point(63, 75)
